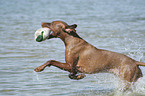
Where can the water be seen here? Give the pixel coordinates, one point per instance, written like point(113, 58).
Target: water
point(116, 25)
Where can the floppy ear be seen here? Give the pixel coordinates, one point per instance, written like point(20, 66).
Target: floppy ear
point(70, 28)
point(43, 24)
point(73, 26)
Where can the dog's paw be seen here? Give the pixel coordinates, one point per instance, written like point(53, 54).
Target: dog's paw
point(71, 76)
point(80, 76)
point(38, 69)
point(77, 77)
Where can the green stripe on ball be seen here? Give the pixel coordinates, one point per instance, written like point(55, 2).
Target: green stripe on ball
point(40, 37)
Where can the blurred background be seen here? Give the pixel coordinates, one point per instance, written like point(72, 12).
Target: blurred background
point(116, 25)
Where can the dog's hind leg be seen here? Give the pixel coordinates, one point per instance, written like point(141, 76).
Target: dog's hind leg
point(130, 75)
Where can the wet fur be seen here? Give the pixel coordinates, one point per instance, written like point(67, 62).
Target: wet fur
point(82, 57)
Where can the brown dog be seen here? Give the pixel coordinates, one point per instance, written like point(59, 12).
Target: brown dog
point(82, 57)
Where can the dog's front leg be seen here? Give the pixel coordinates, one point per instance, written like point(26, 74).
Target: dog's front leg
point(63, 66)
point(74, 74)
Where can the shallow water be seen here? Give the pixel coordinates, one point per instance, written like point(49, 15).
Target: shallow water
point(116, 25)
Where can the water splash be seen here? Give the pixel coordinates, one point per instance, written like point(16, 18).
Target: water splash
point(139, 86)
point(138, 89)
point(35, 76)
point(135, 53)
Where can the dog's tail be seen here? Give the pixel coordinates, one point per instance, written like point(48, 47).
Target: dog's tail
point(140, 63)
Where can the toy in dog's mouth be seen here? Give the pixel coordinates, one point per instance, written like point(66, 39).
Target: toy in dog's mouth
point(42, 34)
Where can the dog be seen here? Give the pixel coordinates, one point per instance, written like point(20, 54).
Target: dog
point(83, 58)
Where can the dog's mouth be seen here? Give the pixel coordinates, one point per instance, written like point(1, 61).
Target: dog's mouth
point(50, 34)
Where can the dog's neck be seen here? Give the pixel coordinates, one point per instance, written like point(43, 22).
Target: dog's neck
point(70, 37)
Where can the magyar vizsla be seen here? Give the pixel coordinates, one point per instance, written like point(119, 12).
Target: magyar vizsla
point(82, 57)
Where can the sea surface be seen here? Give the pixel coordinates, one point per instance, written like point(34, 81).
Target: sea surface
point(115, 25)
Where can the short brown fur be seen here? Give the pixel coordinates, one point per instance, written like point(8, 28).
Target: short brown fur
point(82, 57)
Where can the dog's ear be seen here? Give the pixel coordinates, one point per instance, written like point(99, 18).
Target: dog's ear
point(71, 28)
point(43, 24)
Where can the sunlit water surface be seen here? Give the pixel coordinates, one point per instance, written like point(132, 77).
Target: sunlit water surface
point(116, 25)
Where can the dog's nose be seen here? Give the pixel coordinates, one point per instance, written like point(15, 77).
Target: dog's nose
point(43, 24)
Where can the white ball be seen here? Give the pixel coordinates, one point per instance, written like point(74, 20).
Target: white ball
point(45, 33)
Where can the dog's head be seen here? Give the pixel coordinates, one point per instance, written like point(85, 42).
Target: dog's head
point(59, 27)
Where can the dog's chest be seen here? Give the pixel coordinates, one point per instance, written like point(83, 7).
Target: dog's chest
point(71, 54)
